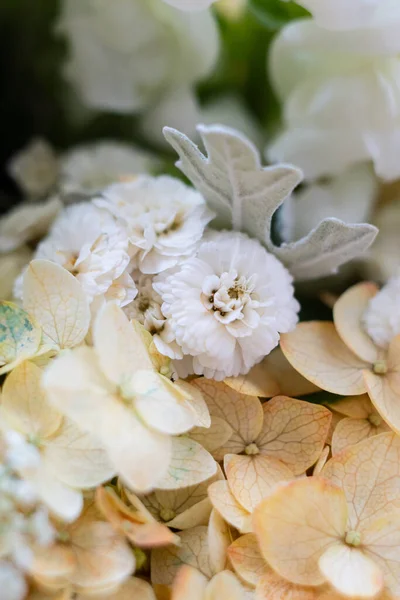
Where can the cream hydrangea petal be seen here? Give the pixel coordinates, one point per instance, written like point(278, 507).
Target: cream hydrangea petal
point(133, 588)
point(56, 299)
point(199, 514)
point(225, 585)
point(78, 459)
point(351, 572)
point(348, 312)
point(369, 475)
point(252, 478)
point(294, 432)
point(296, 524)
point(226, 504)
point(349, 432)
point(381, 540)
point(214, 437)
point(246, 558)
point(317, 352)
point(21, 336)
point(24, 403)
point(190, 464)
point(219, 540)
point(243, 414)
point(190, 584)
point(55, 561)
point(384, 390)
point(195, 398)
point(356, 407)
point(193, 551)
point(271, 377)
point(321, 462)
point(272, 586)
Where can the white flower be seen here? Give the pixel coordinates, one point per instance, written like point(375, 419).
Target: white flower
point(382, 317)
point(227, 306)
point(163, 217)
point(35, 168)
point(340, 97)
point(12, 583)
point(345, 14)
point(87, 242)
point(124, 54)
point(190, 4)
point(89, 169)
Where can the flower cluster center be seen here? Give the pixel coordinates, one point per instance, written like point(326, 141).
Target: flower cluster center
point(228, 295)
point(353, 538)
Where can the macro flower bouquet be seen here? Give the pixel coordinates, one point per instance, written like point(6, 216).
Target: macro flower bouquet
point(199, 344)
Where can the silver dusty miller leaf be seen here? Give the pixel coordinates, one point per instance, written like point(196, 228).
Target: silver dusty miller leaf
point(245, 195)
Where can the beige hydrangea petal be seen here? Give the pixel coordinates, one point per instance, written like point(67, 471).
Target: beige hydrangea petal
point(197, 401)
point(24, 403)
point(252, 478)
point(296, 524)
point(57, 301)
point(103, 558)
point(219, 540)
point(356, 407)
point(317, 352)
point(190, 464)
point(349, 432)
point(20, 338)
point(189, 584)
point(242, 413)
point(224, 585)
point(119, 345)
point(351, 572)
point(348, 312)
point(193, 551)
point(381, 541)
point(294, 432)
point(384, 390)
point(321, 462)
point(199, 514)
point(133, 589)
point(226, 504)
point(78, 458)
point(213, 438)
point(246, 558)
point(272, 586)
point(57, 560)
point(273, 376)
point(369, 475)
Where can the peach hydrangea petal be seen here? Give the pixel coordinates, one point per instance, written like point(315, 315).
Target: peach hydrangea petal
point(271, 586)
point(384, 390)
point(296, 524)
point(294, 432)
point(349, 432)
point(57, 301)
point(133, 589)
point(318, 353)
point(219, 540)
point(242, 413)
point(321, 462)
point(224, 585)
point(189, 584)
point(381, 540)
point(348, 312)
point(213, 438)
point(351, 572)
point(226, 504)
point(246, 558)
point(21, 336)
point(193, 551)
point(369, 475)
point(24, 403)
point(190, 464)
point(273, 376)
point(356, 407)
point(252, 478)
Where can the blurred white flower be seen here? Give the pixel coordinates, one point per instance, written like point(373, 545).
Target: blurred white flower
point(349, 197)
point(88, 243)
point(342, 14)
point(89, 169)
point(382, 259)
point(190, 4)
point(124, 54)
point(227, 306)
point(12, 582)
point(340, 95)
point(164, 219)
point(35, 168)
point(382, 317)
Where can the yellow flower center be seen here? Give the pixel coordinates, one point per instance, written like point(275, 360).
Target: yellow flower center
point(353, 538)
point(375, 420)
point(380, 367)
point(251, 450)
point(167, 514)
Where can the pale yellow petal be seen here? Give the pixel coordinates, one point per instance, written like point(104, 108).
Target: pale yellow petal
point(224, 585)
point(24, 403)
point(77, 457)
point(226, 504)
point(197, 401)
point(296, 524)
point(349, 432)
point(317, 352)
point(189, 464)
point(193, 551)
point(189, 584)
point(246, 558)
point(57, 301)
point(242, 413)
point(271, 377)
point(213, 438)
point(272, 586)
point(20, 336)
point(119, 345)
point(219, 540)
point(351, 572)
point(348, 312)
point(369, 475)
point(294, 432)
point(321, 462)
point(381, 541)
point(252, 478)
